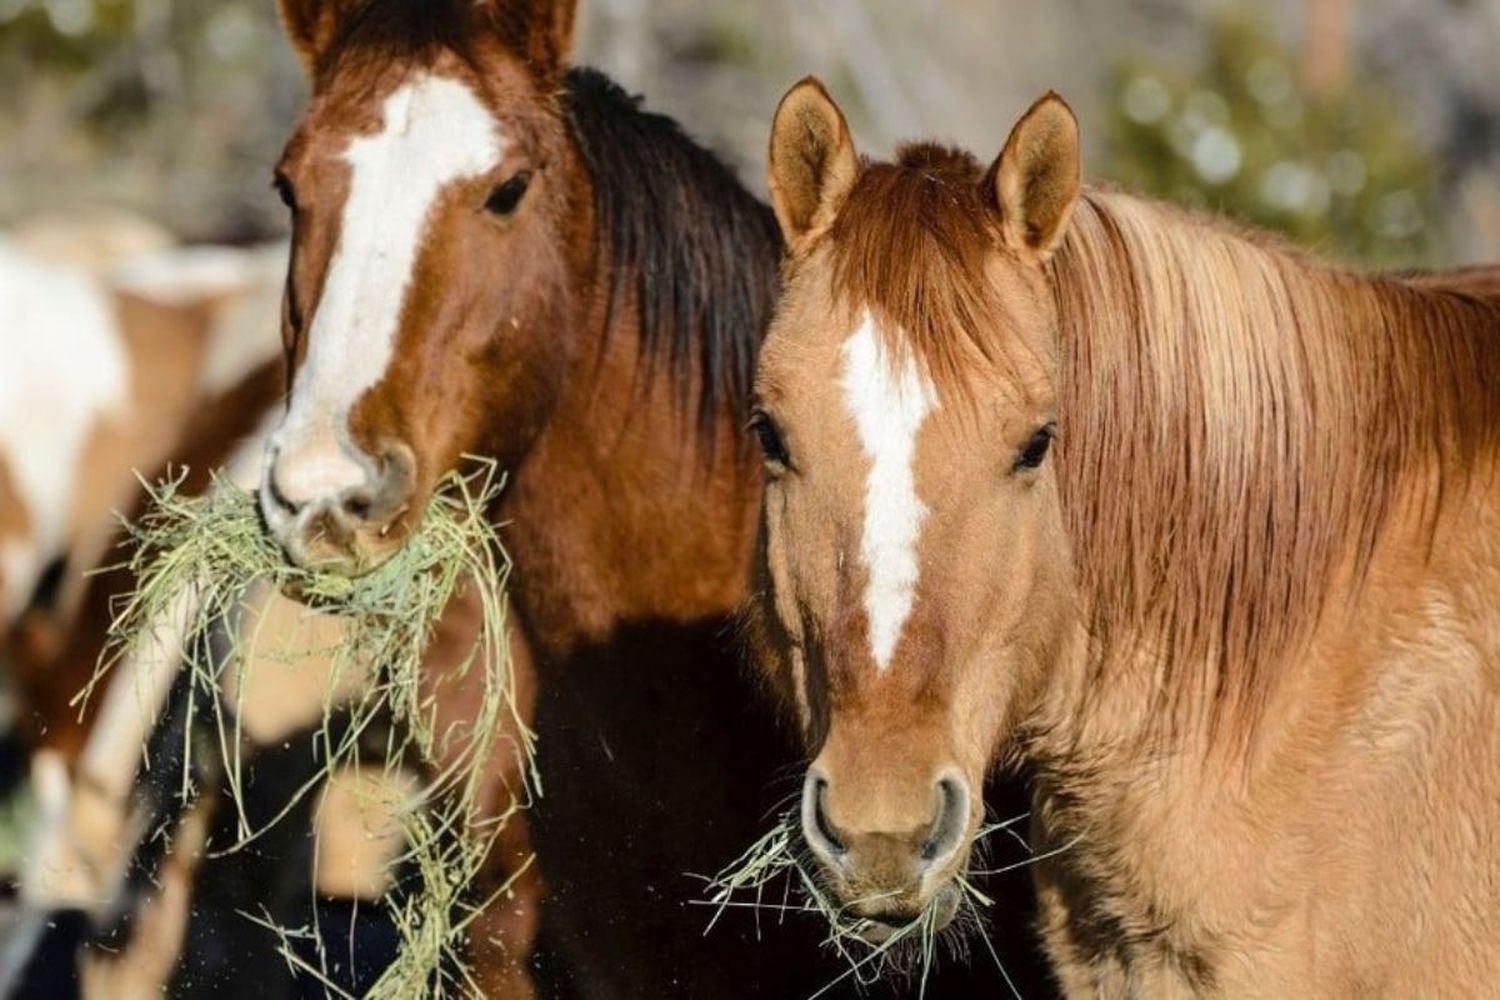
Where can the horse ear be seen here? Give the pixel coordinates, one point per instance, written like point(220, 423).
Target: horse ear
point(812, 160)
point(543, 30)
point(312, 24)
point(1037, 177)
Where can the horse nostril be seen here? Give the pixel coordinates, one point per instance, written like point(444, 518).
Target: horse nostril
point(280, 499)
point(357, 506)
point(952, 819)
point(816, 824)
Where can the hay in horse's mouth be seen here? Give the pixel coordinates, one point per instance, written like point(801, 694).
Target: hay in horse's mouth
point(872, 949)
point(204, 554)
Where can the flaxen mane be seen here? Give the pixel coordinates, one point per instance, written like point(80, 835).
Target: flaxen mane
point(1238, 424)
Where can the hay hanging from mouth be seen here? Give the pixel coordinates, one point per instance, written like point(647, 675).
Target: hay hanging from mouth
point(196, 561)
point(777, 876)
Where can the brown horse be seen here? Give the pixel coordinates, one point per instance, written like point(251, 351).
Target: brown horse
point(495, 255)
point(1204, 531)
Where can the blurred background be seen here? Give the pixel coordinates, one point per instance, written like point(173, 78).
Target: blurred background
point(1368, 129)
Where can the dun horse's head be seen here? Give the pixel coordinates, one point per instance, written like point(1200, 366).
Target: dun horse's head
point(915, 568)
point(428, 184)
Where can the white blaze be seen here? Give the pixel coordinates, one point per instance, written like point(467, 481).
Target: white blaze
point(888, 402)
point(434, 131)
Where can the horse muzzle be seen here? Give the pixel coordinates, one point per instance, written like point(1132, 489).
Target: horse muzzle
point(339, 512)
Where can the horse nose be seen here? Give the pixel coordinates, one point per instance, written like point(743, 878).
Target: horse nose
point(383, 495)
point(817, 829)
point(360, 489)
point(887, 848)
point(947, 833)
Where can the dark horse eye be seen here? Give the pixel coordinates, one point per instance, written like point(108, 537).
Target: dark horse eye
point(504, 199)
point(1036, 449)
point(284, 191)
point(770, 439)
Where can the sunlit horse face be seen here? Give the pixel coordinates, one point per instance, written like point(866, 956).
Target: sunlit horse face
point(423, 313)
point(915, 567)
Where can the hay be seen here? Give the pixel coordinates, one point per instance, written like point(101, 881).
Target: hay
point(194, 562)
point(779, 877)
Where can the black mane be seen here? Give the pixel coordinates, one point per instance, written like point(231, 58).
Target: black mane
point(699, 252)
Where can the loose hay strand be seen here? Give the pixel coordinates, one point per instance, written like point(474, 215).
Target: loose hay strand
point(910, 950)
point(196, 561)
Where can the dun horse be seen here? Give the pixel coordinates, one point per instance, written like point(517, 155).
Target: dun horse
point(1204, 531)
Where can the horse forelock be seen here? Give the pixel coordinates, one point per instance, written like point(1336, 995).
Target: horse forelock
point(911, 243)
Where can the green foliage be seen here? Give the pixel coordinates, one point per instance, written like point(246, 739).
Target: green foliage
point(1340, 172)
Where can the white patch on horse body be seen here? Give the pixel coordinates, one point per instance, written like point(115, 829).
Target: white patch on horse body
point(242, 288)
point(64, 369)
point(435, 131)
point(888, 402)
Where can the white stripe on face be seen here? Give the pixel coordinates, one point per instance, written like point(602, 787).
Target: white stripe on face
point(888, 404)
point(435, 131)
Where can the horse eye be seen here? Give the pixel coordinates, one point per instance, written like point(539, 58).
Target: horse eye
point(284, 191)
point(1036, 449)
point(504, 199)
point(769, 437)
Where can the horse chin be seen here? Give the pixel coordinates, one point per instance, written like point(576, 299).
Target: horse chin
point(351, 554)
point(940, 910)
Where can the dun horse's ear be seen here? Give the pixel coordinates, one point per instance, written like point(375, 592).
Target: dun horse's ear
point(311, 25)
point(1037, 177)
point(812, 161)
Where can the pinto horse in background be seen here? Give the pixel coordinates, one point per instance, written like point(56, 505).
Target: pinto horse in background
point(106, 372)
point(1204, 531)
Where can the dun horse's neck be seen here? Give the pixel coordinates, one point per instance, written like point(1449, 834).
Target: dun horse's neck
point(1245, 433)
point(626, 511)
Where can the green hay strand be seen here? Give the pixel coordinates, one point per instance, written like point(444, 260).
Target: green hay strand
point(195, 562)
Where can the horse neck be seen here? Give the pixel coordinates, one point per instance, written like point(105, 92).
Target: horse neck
point(1246, 434)
point(627, 509)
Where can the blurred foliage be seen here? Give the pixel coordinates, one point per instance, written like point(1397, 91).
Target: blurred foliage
point(1340, 172)
point(176, 109)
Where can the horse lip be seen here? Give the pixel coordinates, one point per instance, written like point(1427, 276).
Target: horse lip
point(879, 928)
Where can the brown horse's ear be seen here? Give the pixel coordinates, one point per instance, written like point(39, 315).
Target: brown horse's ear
point(812, 161)
point(540, 30)
point(311, 26)
point(1036, 179)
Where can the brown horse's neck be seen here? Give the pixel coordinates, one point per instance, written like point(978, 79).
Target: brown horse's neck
point(1244, 435)
point(636, 504)
point(624, 511)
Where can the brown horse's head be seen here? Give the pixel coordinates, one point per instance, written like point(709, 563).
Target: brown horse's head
point(915, 565)
point(425, 314)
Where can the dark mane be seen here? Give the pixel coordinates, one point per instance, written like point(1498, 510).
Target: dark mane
point(691, 249)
